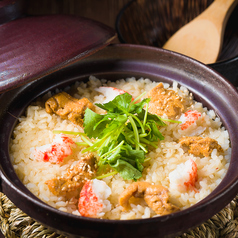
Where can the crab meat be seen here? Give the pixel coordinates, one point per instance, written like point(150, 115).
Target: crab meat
point(184, 177)
point(188, 118)
point(56, 152)
point(110, 93)
point(93, 199)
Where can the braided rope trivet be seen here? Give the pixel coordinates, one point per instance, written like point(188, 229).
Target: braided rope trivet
point(16, 224)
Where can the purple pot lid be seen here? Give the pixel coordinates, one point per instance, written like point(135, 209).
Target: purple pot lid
point(33, 47)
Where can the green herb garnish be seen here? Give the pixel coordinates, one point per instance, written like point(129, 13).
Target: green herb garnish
point(123, 135)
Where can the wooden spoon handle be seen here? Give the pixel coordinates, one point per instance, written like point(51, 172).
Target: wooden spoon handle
point(218, 12)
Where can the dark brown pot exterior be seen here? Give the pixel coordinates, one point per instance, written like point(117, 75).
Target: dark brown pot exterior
point(35, 46)
point(115, 62)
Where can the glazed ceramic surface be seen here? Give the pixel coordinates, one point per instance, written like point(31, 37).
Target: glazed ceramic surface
point(32, 47)
point(116, 62)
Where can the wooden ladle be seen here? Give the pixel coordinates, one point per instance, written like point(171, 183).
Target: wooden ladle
point(202, 38)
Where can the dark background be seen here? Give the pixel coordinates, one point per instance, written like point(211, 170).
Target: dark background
point(104, 11)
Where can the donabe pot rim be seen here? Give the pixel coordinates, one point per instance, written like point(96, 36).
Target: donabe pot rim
point(117, 61)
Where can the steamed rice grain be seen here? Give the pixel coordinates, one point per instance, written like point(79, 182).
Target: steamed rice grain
point(35, 129)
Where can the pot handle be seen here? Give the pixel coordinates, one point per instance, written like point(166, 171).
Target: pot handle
point(228, 69)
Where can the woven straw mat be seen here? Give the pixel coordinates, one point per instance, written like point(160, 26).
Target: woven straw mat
point(17, 224)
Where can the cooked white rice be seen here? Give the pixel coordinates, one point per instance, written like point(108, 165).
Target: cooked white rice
point(36, 129)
